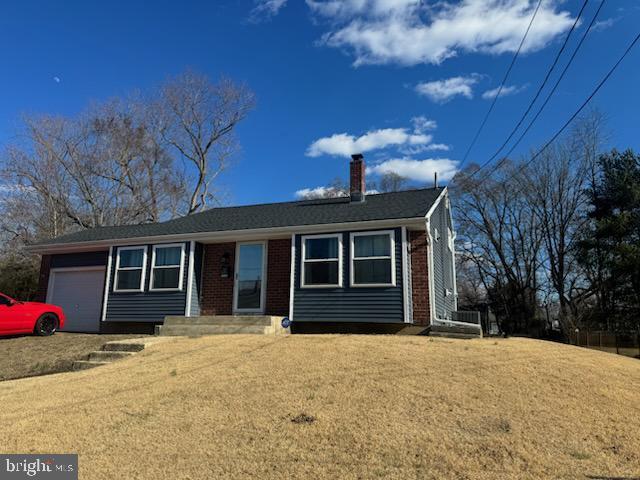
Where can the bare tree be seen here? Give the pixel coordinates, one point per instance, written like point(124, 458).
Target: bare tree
point(499, 234)
point(389, 182)
point(125, 161)
point(392, 182)
point(555, 187)
point(101, 168)
point(197, 118)
point(337, 188)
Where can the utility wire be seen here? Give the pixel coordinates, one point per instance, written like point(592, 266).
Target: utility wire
point(584, 104)
point(542, 85)
point(504, 80)
point(546, 101)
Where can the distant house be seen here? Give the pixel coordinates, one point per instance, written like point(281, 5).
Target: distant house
point(384, 258)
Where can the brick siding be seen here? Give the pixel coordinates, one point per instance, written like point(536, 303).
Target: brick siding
point(419, 277)
point(217, 292)
point(278, 277)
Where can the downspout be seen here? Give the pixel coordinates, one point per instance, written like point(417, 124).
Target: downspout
point(432, 303)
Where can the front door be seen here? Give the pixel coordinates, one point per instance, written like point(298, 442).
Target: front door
point(249, 278)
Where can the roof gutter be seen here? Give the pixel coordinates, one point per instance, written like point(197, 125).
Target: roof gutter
point(217, 237)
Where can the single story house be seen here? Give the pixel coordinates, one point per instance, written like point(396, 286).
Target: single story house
point(375, 258)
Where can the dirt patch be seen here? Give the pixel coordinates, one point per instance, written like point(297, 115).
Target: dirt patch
point(30, 356)
point(303, 418)
point(390, 407)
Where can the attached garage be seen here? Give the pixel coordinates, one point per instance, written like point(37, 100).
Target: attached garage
point(76, 283)
point(79, 292)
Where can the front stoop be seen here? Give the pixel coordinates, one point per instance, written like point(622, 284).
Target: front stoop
point(455, 331)
point(221, 325)
point(113, 351)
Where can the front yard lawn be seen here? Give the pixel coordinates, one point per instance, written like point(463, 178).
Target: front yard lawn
point(337, 407)
point(29, 356)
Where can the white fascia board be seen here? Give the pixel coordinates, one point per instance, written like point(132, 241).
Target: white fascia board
point(442, 195)
point(218, 237)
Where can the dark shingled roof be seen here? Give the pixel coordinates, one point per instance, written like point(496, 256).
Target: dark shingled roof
point(384, 206)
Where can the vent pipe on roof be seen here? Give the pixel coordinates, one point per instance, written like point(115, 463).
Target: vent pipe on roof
point(357, 182)
point(435, 180)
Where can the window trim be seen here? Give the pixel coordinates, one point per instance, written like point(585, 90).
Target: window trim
point(303, 240)
point(142, 276)
point(392, 257)
point(154, 267)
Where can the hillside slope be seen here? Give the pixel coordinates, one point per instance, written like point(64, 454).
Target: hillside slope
point(337, 407)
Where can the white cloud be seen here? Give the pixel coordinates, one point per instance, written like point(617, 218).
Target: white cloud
point(601, 25)
point(442, 91)
point(424, 148)
point(344, 145)
point(411, 32)
point(320, 192)
point(265, 9)
point(423, 124)
point(418, 170)
point(506, 91)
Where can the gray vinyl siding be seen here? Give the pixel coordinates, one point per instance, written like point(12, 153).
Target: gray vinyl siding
point(79, 259)
point(347, 304)
point(196, 290)
point(442, 262)
point(146, 306)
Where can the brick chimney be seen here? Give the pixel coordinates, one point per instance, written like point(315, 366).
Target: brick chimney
point(356, 176)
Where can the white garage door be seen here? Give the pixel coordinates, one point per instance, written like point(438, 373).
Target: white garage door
point(79, 293)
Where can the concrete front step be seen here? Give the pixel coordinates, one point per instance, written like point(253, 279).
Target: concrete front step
point(109, 355)
point(120, 346)
point(197, 330)
point(117, 350)
point(455, 331)
point(87, 364)
point(241, 320)
point(454, 335)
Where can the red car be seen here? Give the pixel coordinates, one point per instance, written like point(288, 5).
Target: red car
point(29, 317)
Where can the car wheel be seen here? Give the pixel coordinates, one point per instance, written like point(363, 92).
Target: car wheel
point(46, 325)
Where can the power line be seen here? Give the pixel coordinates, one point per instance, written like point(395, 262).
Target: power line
point(546, 101)
point(543, 84)
point(584, 104)
point(504, 80)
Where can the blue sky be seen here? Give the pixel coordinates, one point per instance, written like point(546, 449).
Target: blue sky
point(402, 80)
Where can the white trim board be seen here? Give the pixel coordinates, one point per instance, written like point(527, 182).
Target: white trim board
point(407, 301)
point(190, 277)
point(107, 280)
point(235, 235)
point(292, 278)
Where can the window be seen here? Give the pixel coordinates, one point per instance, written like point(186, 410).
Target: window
point(166, 267)
point(130, 269)
point(372, 259)
point(321, 261)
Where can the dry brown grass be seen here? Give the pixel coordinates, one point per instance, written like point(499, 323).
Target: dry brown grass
point(337, 407)
point(28, 355)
